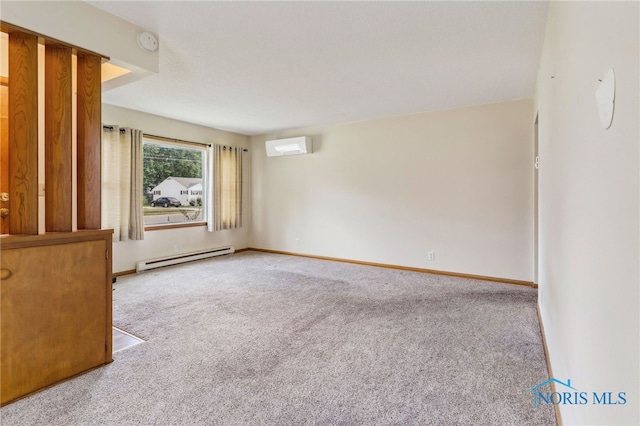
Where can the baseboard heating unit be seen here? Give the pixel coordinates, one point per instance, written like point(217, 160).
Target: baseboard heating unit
point(144, 265)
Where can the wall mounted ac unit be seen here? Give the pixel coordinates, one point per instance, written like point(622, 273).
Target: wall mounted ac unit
point(289, 146)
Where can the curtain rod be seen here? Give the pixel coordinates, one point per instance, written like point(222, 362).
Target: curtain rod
point(168, 139)
point(111, 129)
point(180, 140)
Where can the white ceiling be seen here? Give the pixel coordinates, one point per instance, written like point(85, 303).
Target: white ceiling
point(258, 67)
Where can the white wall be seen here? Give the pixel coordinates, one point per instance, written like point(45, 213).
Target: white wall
point(456, 182)
point(589, 205)
point(160, 243)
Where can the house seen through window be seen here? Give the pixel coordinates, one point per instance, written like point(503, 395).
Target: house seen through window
point(172, 183)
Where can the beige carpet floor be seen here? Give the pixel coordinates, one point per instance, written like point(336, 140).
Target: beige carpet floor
point(264, 339)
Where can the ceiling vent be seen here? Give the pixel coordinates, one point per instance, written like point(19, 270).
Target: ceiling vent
point(289, 146)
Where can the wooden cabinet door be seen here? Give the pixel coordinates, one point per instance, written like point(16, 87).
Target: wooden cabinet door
point(53, 314)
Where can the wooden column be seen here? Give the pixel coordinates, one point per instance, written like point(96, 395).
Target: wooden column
point(4, 151)
point(89, 140)
point(58, 139)
point(23, 133)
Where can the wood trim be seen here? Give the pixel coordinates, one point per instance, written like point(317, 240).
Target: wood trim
point(122, 273)
point(89, 133)
point(174, 226)
point(108, 344)
point(58, 136)
point(4, 81)
point(4, 154)
point(8, 242)
point(403, 268)
point(23, 134)
point(549, 370)
point(241, 250)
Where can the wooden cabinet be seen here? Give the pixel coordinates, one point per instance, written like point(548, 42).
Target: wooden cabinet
point(55, 288)
point(55, 308)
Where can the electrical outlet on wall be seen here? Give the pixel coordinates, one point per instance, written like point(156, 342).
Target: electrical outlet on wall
point(297, 242)
point(431, 255)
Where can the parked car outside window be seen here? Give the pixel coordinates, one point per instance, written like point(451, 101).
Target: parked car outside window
point(166, 202)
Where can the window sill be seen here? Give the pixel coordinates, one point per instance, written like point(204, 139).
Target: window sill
point(173, 226)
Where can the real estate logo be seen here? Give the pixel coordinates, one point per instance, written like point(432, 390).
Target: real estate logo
point(566, 394)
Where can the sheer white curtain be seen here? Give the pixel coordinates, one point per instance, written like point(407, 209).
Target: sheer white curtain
point(227, 187)
point(122, 183)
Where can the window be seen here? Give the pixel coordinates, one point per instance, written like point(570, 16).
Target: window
point(172, 183)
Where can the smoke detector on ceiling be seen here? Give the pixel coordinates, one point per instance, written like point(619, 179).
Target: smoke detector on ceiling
point(147, 41)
